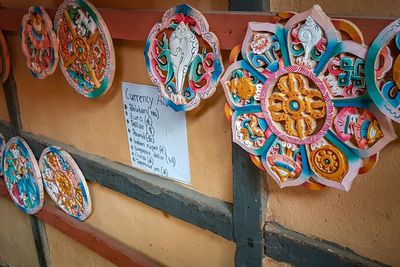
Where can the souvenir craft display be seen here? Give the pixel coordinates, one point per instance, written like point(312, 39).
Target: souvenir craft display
point(39, 42)
point(5, 59)
point(22, 176)
point(86, 50)
point(2, 146)
point(183, 58)
point(298, 104)
point(65, 183)
point(383, 70)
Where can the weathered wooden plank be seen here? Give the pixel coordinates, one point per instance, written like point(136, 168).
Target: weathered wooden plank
point(249, 196)
point(41, 243)
point(11, 95)
point(249, 5)
point(38, 229)
point(284, 245)
point(5, 130)
point(248, 209)
point(230, 27)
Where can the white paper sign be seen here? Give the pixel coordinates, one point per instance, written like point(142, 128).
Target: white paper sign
point(157, 135)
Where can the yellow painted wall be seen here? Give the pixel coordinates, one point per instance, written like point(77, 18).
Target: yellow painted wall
point(154, 233)
point(17, 246)
point(366, 219)
point(65, 251)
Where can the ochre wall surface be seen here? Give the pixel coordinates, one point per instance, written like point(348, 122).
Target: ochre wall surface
point(366, 219)
point(65, 251)
point(17, 246)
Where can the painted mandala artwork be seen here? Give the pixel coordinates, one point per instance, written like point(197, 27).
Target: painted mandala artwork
point(297, 102)
point(86, 50)
point(4, 58)
point(383, 70)
point(65, 183)
point(183, 58)
point(22, 176)
point(2, 146)
point(39, 42)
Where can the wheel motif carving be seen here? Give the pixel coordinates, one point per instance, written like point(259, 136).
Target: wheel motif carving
point(329, 162)
point(86, 51)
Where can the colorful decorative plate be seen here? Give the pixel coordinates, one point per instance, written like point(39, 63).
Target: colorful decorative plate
point(5, 59)
point(22, 176)
point(65, 183)
point(39, 42)
point(382, 69)
point(86, 50)
point(183, 58)
point(298, 103)
point(2, 146)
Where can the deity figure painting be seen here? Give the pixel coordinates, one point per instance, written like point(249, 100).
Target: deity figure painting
point(39, 42)
point(22, 176)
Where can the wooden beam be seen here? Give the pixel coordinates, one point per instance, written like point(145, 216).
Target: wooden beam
point(230, 27)
point(41, 242)
point(38, 228)
point(183, 203)
point(102, 244)
point(249, 205)
point(11, 95)
point(249, 195)
point(284, 245)
point(249, 5)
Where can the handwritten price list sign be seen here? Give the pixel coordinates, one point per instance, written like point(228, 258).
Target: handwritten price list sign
point(157, 135)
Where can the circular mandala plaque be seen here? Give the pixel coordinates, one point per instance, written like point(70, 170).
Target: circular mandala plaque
point(65, 183)
point(86, 50)
point(4, 58)
point(297, 102)
point(22, 176)
point(39, 42)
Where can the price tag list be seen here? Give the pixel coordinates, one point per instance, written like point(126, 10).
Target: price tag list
point(157, 135)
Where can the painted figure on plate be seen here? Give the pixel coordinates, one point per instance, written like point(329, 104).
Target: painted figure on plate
point(22, 176)
point(39, 42)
